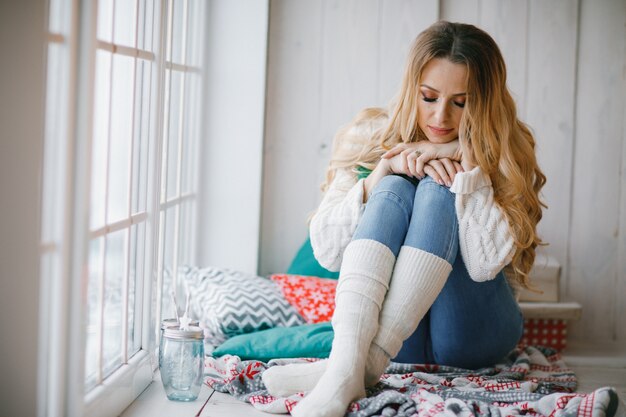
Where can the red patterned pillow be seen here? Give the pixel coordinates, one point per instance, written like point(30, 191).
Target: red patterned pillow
point(313, 297)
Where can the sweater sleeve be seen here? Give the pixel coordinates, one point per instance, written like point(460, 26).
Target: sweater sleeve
point(485, 239)
point(335, 221)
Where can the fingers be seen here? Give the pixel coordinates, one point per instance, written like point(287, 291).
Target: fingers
point(441, 175)
point(432, 173)
point(458, 166)
point(404, 163)
point(443, 171)
point(420, 162)
point(451, 170)
point(411, 157)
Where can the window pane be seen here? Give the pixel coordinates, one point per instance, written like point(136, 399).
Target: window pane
point(177, 31)
point(182, 235)
point(121, 137)
point(167, 234)
point(115, 269)
point(99, 149)
point(137, 137)
point(149, 35)
point(125, 22)
point(141, 24)
point(135, 281)
point(195, 32)
point(186, 235)
point(142, 136)
point(105, 20)
point(92, 352)
point(173, 133)
point(165, 128)
point(132, 290)
point(191, 124)
point(158, 305)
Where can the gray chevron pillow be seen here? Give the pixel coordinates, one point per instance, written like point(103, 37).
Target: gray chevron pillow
point(229, 303)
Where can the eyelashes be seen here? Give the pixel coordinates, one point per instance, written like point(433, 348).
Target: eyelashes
point(432, 100)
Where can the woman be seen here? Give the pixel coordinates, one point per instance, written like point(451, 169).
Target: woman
point(408, 252)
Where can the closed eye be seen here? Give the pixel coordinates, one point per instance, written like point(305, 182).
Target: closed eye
point(460, 104)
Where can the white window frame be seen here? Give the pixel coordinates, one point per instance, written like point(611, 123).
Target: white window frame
point(63, 310)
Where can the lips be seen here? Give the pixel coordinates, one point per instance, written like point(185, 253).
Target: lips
point(439, 131)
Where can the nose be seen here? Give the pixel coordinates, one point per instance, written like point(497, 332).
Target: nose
point(441, 112)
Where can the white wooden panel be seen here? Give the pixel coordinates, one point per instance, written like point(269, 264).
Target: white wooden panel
point(463, 11)
point(550, 103)
point(231, 169)
point(506, 22)
point(401, 22)
point(294, 147)
point(596, 196)
point(350, 45)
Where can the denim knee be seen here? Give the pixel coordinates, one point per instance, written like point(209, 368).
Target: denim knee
point(399, 186)
point(434, 226)
point(387, 213)
point(435, 197)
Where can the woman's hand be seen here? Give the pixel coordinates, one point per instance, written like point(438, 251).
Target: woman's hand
point(443, 170)
point(415, 156)
point(440, 161)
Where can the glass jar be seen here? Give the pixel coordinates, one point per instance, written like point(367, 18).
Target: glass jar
point(173, 322)
point(182, 362)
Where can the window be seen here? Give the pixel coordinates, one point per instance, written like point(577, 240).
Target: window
point(122, 135)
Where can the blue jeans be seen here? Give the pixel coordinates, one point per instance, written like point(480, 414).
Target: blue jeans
point(470, 324)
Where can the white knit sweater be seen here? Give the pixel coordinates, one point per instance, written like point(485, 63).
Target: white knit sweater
point(485, 240)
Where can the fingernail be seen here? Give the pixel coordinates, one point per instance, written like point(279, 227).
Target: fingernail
point(449, 184)
point(440, 182)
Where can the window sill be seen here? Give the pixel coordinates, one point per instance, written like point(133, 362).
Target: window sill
point(154, 403)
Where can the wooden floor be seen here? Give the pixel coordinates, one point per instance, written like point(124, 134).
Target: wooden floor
point(598, 366)
point(595, 367)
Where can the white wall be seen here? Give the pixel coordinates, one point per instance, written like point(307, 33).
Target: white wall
point(21, 148)
point(567, 69)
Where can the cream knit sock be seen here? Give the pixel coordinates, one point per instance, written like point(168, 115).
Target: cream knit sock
point(417, 280)
point(363, 282)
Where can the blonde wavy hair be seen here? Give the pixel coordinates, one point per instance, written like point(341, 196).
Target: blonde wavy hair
point(357, 145)
point(490, 133)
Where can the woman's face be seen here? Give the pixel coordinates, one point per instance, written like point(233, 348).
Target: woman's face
point(443, 90)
